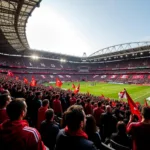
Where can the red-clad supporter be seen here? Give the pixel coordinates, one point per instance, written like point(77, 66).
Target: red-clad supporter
point(88, 107)
point(57, 106)
point(41, 112)
point(95, 106)
point(15, 134)
point(140, 131)
point(4, 101)
point(72, 99)
point(1, 89)
point(92, 103)
point(97, 113)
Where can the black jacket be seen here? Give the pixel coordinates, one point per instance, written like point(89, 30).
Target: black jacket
point(96, 139)
point(108, 124)
point(66, 142)
point(49, 132)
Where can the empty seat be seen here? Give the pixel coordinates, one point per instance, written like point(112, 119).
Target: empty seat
point(105, 147)
point(117, 146)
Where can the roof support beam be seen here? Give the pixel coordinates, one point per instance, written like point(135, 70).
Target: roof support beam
point(31, 3)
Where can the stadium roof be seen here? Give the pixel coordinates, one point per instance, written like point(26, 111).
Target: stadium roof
point(122, 49)
point(13, 18)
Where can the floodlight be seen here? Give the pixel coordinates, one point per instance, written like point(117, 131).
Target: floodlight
point(34, 57)
point(62, 60)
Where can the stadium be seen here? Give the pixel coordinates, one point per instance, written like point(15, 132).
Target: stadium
point(100, 76)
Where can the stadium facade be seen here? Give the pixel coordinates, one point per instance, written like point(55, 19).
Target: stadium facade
point(123, 63)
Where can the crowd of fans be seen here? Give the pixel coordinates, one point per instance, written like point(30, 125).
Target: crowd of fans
point(40, 118)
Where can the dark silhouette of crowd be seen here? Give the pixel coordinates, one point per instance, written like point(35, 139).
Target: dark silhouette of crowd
point(40, 118)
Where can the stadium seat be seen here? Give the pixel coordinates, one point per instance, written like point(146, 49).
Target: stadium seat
point(117, 146)
point(106, 147)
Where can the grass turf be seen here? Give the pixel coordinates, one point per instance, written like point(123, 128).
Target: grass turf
point(137, 92)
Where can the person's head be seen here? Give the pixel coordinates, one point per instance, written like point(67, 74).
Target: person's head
point(75, 117)
point(90, 127)
point(5, 99)
point(45, 103)
point(16, 110)
point(49, 115)
point(117, 112)
point(57, 96)
point(6, 92)
point(73, 95)
point(88, 100)
point(121, 127)
point(78, 101)
point(39, 95)
point(30, 93)
point(99, 104)
point(146, 113)
point(108, 109)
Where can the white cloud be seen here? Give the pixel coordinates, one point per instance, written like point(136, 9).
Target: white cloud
point(49, 30)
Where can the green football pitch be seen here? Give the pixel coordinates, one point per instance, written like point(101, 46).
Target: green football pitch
point(137, 92)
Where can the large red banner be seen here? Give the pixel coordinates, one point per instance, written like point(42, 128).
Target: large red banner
point(148, 76)
point(138, 77)
point(124, 76)
point(113, 76)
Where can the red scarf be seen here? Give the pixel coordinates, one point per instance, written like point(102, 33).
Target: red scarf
point(79, 132)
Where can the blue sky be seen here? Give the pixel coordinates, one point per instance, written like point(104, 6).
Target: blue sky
point(77, 26)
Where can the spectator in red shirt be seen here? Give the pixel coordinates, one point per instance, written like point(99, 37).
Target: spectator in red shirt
point(57, 106)
point(97, 113)
point(41, 112)
point(88, 108)
point(1, 89)
point(15, 134)
point(72, 99)
point(140, 131)
point(4, 101)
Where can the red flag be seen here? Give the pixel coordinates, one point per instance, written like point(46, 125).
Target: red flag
point(25, 80)
point(146, 104)
point(77, 89)
point(33, 82)
point(133, 108)
point(58, 82)
point(73, 86)
point(17, 78)
point(10, 74)
point(113, 104)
